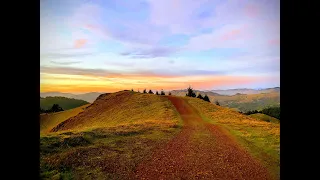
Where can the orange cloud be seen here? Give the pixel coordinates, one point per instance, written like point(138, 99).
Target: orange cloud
point(80, 43)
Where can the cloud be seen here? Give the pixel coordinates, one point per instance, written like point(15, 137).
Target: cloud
point(65, 63)
point(79, 43)
point(56, 55)
point(150, 52)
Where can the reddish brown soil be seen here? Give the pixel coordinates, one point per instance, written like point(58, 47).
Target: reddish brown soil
point(200, 151)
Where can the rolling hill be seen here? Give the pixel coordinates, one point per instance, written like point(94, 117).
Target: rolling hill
point(49, 121)
point(246, 91)
point(130, 135)
point(65, 103)
point(89, 97)
point(240, 102)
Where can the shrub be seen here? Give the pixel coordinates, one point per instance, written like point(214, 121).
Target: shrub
point(144, 91)
point(199, 96)
point(157, 93)
point(217, 103)
point(162, 93)
point(150, 92)
point(169, 93)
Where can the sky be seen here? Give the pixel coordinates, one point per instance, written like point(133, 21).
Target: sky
point(112, 45)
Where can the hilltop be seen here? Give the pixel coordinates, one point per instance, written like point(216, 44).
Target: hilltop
point(66, 103)
point(246, 91)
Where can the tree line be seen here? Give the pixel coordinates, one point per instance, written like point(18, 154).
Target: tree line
point(151, 92)
point(54, 108)
point(270, 111)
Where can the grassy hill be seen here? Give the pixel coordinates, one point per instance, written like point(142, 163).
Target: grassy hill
point(89, 97)
point(49, 121)
point(265, 117)
point(65, 103)
point(240, 102)
point(111, 136)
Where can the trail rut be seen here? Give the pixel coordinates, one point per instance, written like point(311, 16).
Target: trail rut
point(200, 151)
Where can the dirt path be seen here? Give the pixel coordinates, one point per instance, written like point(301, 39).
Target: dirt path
point(200, 151)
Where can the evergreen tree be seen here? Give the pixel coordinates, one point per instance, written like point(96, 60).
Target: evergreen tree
point(131, 89)
point(206, 98)
point(191, 92)
point(144, 91)
point(150, 92)
point(157, 93)
point(162, 93)
point(199, 96)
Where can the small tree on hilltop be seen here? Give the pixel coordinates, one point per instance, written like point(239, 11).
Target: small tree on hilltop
point(217, 103)
point(131, 89)
point(144, 91)
point(206, 98)
point(199, 96)
point(169, 93)
point(56, 108)
point(191, 92)
point(150, 92)
point(162, 93)
point(157, 93)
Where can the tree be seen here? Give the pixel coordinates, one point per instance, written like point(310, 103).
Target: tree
point(144, 91)
point(169, 93)
point(199, 96)
point(131, 89)
point(138, 91)
point(157, 93)
point(217, 103)
point(150, 91)
point(190, 92)
point(56, 108)
point(206, 98)
point(162, 93)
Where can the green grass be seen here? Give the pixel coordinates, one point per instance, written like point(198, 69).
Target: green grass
point(264, 117)
point(260, 138)
point(65, 103)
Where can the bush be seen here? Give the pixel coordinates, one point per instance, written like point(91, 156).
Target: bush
point(217, 103)
point(206, 98)
point(157, 93)
point(162, 93)
point(150, 92)
point(169, 93)
point(144, 91)
point(199, 96)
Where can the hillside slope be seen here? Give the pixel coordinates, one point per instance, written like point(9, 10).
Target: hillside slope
point(122, 108)
point(65, 103)
point(265, 117)
point(49, 121)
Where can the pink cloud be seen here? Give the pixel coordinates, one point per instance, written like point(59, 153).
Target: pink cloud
point(231, 35)
point(79, 43)
point(274, 42)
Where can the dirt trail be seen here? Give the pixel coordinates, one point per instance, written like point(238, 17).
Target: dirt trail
point(200, 151)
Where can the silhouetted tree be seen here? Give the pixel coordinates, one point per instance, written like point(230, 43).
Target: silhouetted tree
point(131, 89)
point(162, 93)
point(190, 92)
point(206, 98)
point(144, 91)
point(169, 93)
point(157, 93)
point(150, 92)
point(138, 91)
point(217, 103)
point(199, 96)
point(56, 108)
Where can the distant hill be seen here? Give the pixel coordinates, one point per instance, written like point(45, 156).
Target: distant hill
point(246, 91)
point(66, 103)
point(239, 101)
point(49, 121)
point(89, 97)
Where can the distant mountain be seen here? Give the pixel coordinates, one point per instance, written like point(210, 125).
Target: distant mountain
point(64, 102)
point(246, 91)
point(241, 101)
point(89, 97)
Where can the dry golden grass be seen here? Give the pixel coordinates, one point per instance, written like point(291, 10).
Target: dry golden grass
point(49, 121)
point(261, 138)
point(124, 108)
